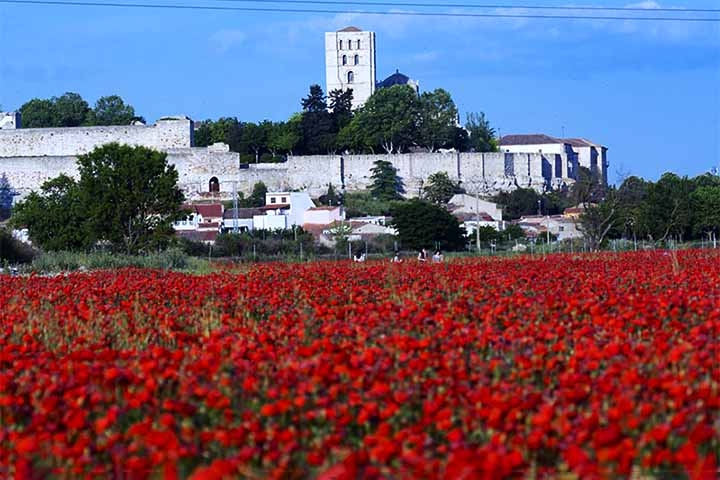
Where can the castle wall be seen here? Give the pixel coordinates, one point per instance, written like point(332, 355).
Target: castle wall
point(65, 142)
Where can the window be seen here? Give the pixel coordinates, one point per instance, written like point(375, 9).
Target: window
point(344, 60)
point(272, 199)
point(214, 185)
point(357, 59)
point(351, 77)
point(349, 44)
point(340, 44)
point(358, 44)
point(283, 200)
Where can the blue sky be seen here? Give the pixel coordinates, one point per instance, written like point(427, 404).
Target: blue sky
point(650, 91)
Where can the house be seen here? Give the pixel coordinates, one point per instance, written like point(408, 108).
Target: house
point(564, 228)
point(283, 210)
point(242, 218)
point(470, 221)
point(462, 203)
point(323, 215)
point(202, 223)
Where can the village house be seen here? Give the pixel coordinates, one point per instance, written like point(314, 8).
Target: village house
point(202, 223)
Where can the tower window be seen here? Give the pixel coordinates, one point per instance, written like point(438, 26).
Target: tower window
point(349, 44)
point(358, 44)
point(357, 59)
point(351, 77)
point(344, 60)
point(340, 44)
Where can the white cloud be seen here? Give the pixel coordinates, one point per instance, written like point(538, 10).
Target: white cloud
point(224, 40)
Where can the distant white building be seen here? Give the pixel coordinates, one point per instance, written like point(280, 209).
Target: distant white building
point(283, 210)
point(584, 153)
point(9, 120)
point(350, 63)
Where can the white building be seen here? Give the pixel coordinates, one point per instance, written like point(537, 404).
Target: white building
point(584, 153)
point(283, 210)
point(9, 120)
point(350, 63)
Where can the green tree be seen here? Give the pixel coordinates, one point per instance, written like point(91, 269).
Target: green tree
point(340, 105)
point(421, 224)
point(518, 203)
point(55, 217)
point(111, 110)
point(39, 113)
point(482, 135)
point(386, 184)
point(284, 136)
point(389, 120)
point(257, 196)
point(316, 126)
point(599, 220)
point(70, 110)
point(438, 122)
point(666, 210)
point(330, 197)
point(705, 202)
point(130, 196)
point(255, 137)
point(439, 188)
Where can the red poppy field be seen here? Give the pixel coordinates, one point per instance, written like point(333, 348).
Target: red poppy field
point(602, 366)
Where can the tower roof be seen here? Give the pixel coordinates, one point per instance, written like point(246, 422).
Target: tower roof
point(350, 29)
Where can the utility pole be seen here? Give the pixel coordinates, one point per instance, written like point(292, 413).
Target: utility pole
point(477, 221)
point(235, 207)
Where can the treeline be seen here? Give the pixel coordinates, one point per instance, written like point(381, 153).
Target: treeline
point(393, 120)
point(71, 110)
point(673, 208)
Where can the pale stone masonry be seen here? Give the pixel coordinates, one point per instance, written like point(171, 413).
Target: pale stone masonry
point(29, 157)
point(350, 63)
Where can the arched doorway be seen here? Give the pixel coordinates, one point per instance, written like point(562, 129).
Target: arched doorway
point(214, 185)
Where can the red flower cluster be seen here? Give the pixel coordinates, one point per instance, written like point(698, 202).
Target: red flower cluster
point(576, 366)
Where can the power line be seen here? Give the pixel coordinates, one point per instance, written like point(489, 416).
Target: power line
point(342, 3)
point(354, 12)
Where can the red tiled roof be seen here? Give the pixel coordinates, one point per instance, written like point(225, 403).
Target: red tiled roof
point(323, 208)
point(530, 139)
point(275, 206)
point(350, 29)
point(207, 210)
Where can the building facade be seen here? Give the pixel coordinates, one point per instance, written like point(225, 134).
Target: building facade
point(350, 63)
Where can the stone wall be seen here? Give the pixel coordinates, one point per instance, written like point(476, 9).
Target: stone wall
point(173, 132)
point(481, 172)
point(486, 173)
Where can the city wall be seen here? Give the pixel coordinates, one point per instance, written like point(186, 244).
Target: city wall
point(173, 132)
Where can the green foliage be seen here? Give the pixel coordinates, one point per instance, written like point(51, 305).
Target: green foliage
point(421, 224)
point(438, 121)
point(317, 127)
point(586, 189)
point(439, 188)
point(14, 251)
point(331, 197)
point(39, 113)
point(481, 134)
point(126, 197)
point(667, 208)
point(518, 203)
point(170, 259)
point(361, 204)
point(111, 110)
point(386, 184)
point(130, 196)
point(389, 120)
point(705, 202)
point(257, 196)
point(55, 217)
point(71, 110)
